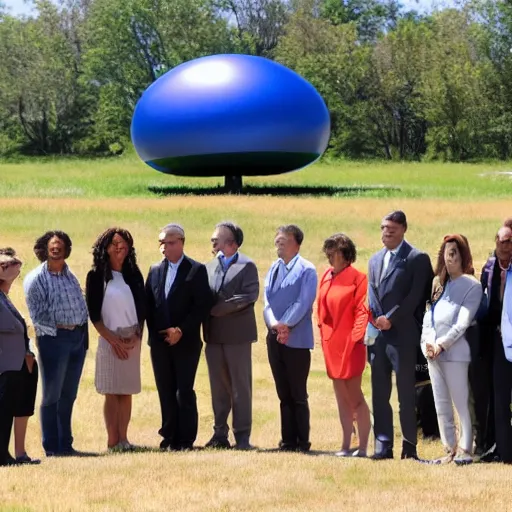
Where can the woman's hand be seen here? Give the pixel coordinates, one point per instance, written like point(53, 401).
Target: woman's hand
point(433, 350)
point(118, 345)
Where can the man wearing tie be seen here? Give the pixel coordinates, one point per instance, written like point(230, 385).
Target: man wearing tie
point(400, 281)
point(229, 334)
point(290, 291)
point(178, 301)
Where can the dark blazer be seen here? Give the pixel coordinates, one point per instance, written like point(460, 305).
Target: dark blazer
point(232, 318)
point(402, 293)
point(95, 291)
point(13, 340)
point(186, 306)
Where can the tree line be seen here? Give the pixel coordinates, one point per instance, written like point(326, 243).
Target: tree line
point(399, 84)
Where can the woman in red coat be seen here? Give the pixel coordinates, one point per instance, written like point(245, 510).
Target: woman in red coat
point(342, 319)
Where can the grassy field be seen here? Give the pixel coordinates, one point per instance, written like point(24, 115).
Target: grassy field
point(84, 197)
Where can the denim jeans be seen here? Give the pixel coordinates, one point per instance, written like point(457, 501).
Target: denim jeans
point(61, 360)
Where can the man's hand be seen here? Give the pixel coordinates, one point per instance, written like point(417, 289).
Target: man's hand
point(172, 335)
point(382, 323)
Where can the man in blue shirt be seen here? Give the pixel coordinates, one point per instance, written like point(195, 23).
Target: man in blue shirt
point(290, 291)
point(58, 311)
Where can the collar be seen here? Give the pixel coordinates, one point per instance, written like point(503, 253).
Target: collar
point(291, 263)
point(174, 266)
point(226, 259)
point(63, 272)
point(396, 250)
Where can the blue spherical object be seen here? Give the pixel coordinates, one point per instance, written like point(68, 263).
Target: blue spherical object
point(230, 115)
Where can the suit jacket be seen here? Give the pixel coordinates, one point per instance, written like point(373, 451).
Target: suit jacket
point(292, 302)
point(13, 345)
point(186, 306)
point(232, 318)
point(401, 294)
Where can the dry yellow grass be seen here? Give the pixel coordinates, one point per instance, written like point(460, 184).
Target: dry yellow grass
point(229, 481)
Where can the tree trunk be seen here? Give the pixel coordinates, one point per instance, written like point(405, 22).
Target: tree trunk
point(233, 184)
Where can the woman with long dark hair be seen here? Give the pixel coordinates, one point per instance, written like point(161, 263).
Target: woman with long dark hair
point(115, 298)
point(456, 295)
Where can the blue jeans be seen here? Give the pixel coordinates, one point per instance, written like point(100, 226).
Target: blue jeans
point(61, 360)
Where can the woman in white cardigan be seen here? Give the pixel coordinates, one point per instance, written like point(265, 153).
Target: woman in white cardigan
point(456, 296)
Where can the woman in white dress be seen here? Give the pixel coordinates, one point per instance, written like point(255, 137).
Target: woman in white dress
point(115, 299)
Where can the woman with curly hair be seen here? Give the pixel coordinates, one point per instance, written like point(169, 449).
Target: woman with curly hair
point(456, 296)
point(115, 298)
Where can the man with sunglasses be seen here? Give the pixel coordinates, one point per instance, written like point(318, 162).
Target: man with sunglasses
point(229, 334)
point(178, 301)
point(491, 374)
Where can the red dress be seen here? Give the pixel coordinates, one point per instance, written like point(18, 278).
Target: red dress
point(342, 318)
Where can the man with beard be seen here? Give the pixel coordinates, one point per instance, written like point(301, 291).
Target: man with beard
point(59, 314)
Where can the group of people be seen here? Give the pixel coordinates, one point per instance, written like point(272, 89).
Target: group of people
point(463, 326)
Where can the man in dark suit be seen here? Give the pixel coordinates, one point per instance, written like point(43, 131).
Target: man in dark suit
point(229, 333)
point(178, 301)
point(400, 280)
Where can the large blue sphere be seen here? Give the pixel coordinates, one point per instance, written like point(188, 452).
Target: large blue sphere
point(230, 115)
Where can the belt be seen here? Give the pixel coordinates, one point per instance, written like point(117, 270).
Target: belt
point(68, 327)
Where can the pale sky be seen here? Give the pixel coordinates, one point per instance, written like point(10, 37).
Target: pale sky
point(22, 7)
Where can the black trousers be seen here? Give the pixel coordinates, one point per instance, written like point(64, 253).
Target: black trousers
point(502, 373)
point(482, 388)
point(9, 393)
point(290, 369)
point(175, 372)
point(385, 358)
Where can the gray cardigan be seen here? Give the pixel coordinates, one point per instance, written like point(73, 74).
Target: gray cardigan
point(12, 340)
point(452, 314)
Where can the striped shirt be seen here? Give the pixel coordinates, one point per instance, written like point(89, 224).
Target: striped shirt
point(54, 299)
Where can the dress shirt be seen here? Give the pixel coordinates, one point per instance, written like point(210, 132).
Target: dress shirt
point(54, 299)
point(387, 258)
point(226, 261)
point(172, 270)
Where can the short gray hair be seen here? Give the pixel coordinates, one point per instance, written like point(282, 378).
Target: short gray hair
point(174, 229)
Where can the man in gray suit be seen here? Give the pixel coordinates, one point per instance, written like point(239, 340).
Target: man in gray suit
point(229, 333)
point(399, 281)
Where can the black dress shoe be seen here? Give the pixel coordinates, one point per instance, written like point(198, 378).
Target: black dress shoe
point(244, 446)
point(383, 454)
point(287, 447)
point(218, 443)
point(165, 443)
point(409, 455)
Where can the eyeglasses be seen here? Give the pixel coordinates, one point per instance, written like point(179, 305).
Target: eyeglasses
point(504, 242)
